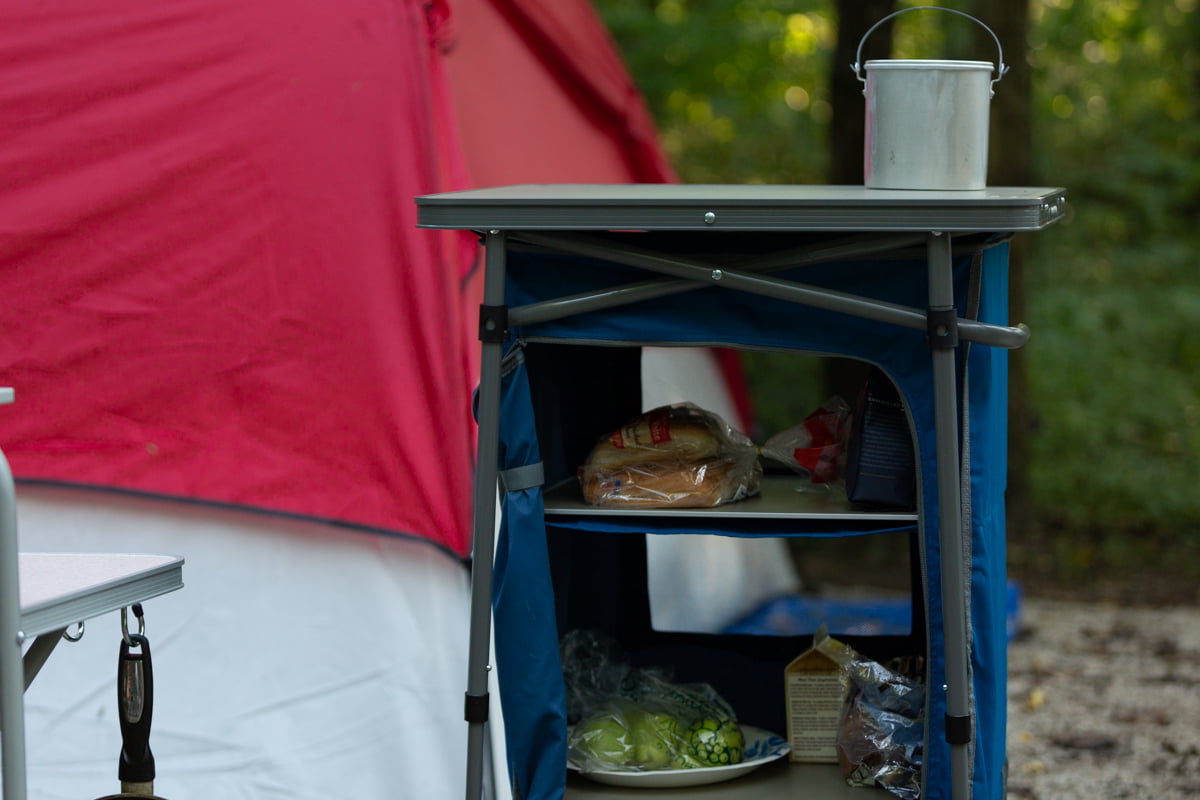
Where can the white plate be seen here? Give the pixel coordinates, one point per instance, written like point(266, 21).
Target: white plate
point(762, 747)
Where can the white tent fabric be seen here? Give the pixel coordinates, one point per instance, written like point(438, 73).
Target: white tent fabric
point(701, 584)
point(304, 661)
point(299, 661)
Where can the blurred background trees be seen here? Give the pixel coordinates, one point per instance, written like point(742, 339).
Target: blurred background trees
point(1101, 99)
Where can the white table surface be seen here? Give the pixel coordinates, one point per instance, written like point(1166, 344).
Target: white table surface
point(60, 589)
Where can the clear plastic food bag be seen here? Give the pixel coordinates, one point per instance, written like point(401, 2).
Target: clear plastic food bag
point(631, 719)
point(673, 456)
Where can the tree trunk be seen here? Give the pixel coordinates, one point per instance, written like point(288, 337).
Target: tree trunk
point(1010, 163)
point(854, 17)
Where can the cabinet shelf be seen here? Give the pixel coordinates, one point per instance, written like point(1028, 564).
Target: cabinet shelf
point(780, 498)
point(781, 780)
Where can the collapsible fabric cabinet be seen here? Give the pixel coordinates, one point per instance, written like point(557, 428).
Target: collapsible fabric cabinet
point(578, 277)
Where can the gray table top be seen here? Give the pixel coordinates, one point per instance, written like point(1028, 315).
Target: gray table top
point(740, 207)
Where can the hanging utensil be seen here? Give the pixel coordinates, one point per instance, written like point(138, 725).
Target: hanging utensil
point(135, 707)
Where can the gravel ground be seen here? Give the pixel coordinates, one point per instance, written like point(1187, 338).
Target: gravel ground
point(1104, 702)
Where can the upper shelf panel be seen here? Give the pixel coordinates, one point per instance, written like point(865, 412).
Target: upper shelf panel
point(781, 497)
point(664, 207)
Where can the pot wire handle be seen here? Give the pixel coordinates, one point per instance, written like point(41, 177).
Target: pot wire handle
point(1001, 67)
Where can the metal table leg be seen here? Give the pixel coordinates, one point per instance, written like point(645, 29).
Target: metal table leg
point(484, 526)
point(12, 672)
point(39, 651)
point(943, 342)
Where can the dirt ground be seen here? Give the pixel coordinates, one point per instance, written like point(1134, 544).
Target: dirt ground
point(1104, 702)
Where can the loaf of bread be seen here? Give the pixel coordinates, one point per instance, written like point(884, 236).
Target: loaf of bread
point(668, 433)
point(660, 484)
point(672, 457)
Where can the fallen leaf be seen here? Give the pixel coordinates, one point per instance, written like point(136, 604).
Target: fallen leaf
point(1136, 716)
point(1087, 741)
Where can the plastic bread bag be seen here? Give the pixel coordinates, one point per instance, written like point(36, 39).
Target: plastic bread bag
point(814, 448)
point(882, 731)
point(632, 719)
point(671, 457)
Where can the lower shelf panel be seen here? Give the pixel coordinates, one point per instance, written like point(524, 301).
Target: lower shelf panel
point(781, 780)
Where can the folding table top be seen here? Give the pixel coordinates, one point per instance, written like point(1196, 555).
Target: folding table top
point(740, 207)
point(59, 589)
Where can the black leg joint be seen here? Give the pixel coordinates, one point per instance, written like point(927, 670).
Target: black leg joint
point(476, 707)
point(958, 729)
point(942, 327)
point(493, 324)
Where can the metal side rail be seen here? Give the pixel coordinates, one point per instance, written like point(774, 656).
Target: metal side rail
point(694, 274)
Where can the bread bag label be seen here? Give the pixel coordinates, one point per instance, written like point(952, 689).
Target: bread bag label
point(653, 428)
point(659, 422)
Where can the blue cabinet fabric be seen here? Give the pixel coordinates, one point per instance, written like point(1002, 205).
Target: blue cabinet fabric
point(527, 656)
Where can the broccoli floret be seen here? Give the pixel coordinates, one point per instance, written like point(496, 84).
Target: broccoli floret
point(716, 743)
point(684, 760)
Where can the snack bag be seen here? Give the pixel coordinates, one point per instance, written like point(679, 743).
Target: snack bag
point(672, 456)
point(881, 736)
point(814, 447)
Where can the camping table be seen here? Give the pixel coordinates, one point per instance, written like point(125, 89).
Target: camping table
point(566, 217)
point(43, 595)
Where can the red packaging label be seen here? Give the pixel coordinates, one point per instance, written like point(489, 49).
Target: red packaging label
point(659, 421)
point(820, 461)
point(618, 441)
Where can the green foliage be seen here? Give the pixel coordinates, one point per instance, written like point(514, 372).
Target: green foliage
point(1116, 113)
point(740, 91)
point(1114, 297)
point(795, 388)
point(1115, 363)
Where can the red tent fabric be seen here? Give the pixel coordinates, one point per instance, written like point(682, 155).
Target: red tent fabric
point(542, 96)
point(213, 287)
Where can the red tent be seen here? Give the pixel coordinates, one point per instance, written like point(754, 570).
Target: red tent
point(212, 284)
point(213, 289)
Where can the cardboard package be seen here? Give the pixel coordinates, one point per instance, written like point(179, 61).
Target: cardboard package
point(816, 696)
